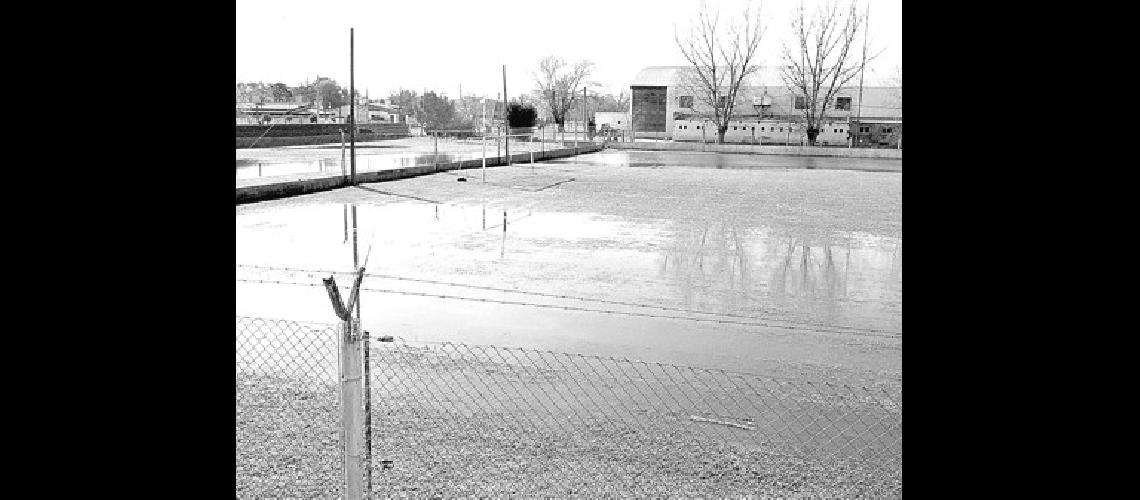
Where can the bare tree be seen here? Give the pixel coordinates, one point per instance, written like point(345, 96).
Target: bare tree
point(822, 62)
point(896, 80)
point(721, 62)
point(559, 84)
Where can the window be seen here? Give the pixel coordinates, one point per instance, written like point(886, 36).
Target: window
point(698, 127)
point(685, 101)
point(619, 122)
point(864, 130)
point(843, 103)
point(781, 129)
point(887, 130)
point(801, 103)
point(721, 101)
point(733, 128)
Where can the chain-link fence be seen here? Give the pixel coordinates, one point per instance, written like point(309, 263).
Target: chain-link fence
point(451, 419)
point(288, 440)
point(461, 420)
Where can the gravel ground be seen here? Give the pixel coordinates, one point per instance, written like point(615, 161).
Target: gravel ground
point(455, 423)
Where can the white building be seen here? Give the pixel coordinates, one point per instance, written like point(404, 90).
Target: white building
point(664, 107)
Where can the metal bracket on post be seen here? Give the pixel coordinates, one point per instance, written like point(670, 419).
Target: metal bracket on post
point(342, 310)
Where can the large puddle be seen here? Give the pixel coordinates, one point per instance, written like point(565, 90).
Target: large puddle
point(661, 289)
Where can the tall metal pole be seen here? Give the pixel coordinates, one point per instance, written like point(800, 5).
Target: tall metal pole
point(364, 353)
point(352, 98)
point(862, 67)
point(498, 140)
point(506, 123)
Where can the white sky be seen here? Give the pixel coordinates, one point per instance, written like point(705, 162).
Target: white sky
point(442, 44)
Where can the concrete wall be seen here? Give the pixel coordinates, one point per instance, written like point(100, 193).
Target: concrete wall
point(263, 192)
point(272, 142)
point(764, 150)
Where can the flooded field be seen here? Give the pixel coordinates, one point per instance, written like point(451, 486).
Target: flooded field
point(370, 156)
point(741, 262)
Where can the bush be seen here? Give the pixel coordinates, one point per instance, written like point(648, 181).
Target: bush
point(521, 115)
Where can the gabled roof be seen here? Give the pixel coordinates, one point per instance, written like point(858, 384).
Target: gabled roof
point(667, 76)
point(658, 76)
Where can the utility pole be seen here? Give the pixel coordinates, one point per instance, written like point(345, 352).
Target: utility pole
point(585, 126)
point(506, 123)
point(498, 143)
point(352, 99)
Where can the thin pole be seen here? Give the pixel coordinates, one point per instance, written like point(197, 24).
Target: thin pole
point(506, 124)
point(367, 395)
point(484, 158)
point(352, 98)
point(862, 67)
point(498, 140)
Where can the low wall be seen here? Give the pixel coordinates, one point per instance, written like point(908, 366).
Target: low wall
point(304, 129)
point(895, 154)
point(271, 142)
point(263, 192)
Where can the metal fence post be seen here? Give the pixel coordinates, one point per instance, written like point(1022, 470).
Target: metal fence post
point(352, 405)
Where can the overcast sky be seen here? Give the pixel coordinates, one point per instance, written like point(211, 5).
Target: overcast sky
point(444, 44)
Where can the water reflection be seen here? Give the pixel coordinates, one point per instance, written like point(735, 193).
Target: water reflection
point(732, 265)
point(706, 255)
point(811, 272)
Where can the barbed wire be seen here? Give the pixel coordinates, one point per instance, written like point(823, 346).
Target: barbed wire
point(827, 327)
point(581, 309)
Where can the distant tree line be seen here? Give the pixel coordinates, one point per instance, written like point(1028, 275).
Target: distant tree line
point(324, 92)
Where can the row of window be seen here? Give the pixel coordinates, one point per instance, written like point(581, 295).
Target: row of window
point(686, 127)
point(862, 129)
point(841, 103)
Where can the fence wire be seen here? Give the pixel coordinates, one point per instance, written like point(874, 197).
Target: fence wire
point(461, 420)
point(289, 442)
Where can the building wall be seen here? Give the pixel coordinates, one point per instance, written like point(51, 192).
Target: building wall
point(617, 120)
point(652, 111)
point(879, 102)
point(766, 132)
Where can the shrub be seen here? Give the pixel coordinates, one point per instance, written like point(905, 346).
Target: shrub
point(521, 115)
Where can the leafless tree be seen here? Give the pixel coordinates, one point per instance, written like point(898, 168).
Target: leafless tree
point(825, 59)
point(721, 62)
point(896, 80)
point(559, 85)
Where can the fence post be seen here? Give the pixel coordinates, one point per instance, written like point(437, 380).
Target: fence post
point(352, 405)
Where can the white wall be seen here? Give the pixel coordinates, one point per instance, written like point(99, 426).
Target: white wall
point(767, 131)
point(615, 119)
